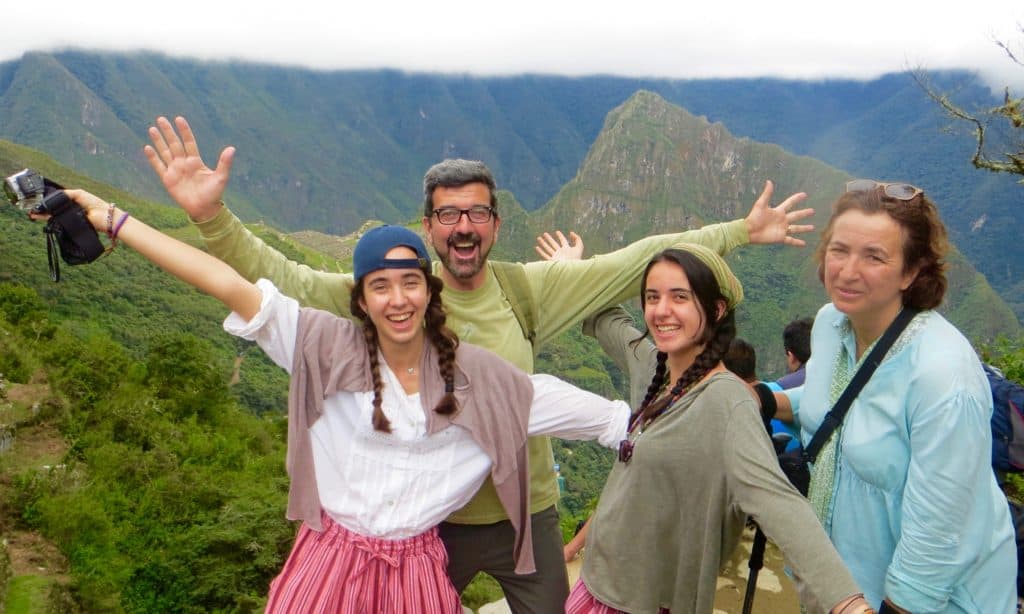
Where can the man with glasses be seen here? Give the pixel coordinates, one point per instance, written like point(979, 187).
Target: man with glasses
point(461, 221)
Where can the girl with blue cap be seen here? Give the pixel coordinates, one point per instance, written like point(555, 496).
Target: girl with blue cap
point(393, 424)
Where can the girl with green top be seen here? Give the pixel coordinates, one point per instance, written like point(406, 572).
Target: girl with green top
point(696, 461)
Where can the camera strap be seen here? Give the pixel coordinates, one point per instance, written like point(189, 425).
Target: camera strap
point(835, 417)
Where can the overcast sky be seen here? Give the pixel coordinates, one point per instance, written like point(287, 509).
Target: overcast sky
point(660, 38)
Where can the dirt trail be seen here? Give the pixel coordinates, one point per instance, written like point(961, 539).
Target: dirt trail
point(36, 446)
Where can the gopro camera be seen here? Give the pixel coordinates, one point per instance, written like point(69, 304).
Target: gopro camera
point(25, 190)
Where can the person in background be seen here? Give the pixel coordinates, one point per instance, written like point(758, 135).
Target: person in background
point(904, 488)
point(393, 424)
point(741, 359)
point(796, 340)
point(461, 222)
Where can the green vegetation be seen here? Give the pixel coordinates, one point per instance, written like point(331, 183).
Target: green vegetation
point(25, 591)
point(171, 493)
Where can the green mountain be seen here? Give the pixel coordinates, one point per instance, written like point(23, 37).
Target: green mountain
point(656, 168)
point(326, 150)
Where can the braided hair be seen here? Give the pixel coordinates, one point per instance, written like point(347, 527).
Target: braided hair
point(444, 340)
point(715, 335)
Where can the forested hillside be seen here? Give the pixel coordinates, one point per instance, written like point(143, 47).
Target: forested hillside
point(326, 150)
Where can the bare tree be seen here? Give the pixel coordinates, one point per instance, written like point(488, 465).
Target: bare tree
point(1011, 112)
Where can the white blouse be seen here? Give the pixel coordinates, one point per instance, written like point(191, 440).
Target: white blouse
point(399, 484)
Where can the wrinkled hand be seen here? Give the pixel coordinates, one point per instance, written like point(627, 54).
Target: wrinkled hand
point(176, 161)
point(767, 224)
point(551, 248)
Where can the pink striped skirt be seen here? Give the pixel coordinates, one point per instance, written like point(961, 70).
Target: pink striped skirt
point(337, 570)
point(582, 602)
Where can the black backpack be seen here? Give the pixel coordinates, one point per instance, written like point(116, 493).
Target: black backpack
point(1008, 448)
point(1007, 422)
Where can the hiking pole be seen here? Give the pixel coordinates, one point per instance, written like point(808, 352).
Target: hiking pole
point(755, 565)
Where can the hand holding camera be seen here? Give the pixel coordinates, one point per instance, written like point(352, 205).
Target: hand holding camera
point(68, 229)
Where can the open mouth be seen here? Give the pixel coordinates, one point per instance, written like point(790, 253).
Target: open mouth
point(400, 321)
point(464, 247)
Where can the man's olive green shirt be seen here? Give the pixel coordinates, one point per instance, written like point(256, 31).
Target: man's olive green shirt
point(564, 291)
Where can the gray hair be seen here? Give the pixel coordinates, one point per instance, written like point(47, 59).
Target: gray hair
point(455, 173)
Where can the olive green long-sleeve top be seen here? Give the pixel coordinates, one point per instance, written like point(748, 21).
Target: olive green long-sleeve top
point(564, 293)
point(671, 516)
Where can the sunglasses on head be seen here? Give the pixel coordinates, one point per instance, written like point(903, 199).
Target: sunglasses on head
point(897, 191)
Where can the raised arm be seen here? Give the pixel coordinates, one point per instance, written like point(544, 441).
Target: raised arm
point(199, 190)
point(767, 224)
point(571, 290)
point(175, 159)
point(185, 262)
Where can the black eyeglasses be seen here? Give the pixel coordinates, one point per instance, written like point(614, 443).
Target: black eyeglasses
point(897, 191)
point(478, 214)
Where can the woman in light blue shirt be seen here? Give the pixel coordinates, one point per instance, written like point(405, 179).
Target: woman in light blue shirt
point(904, 488)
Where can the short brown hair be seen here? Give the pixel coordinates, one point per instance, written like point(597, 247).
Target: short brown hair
point(455, 173)
point(925, 241)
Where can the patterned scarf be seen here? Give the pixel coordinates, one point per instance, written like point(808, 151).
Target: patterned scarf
point(823, 472)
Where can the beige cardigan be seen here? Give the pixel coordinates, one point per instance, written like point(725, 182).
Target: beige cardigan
point(493, 396)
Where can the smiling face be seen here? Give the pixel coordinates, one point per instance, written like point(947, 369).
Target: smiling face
point(673, 315)
point(462, 247)
point(396, 302)
point(864, 270)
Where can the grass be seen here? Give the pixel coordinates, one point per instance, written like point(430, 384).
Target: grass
point(28, 594)
point(482, 590)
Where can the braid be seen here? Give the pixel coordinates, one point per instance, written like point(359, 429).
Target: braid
point(380, 421)
point(445, 341)
point(657, 382)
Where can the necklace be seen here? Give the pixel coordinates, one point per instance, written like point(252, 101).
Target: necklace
point(638, 425)
point(410, 370)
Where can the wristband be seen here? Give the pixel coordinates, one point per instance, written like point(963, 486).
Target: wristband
point(767, 398)
point(117, 228)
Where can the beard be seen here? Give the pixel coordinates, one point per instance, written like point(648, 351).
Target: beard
point(458, 267)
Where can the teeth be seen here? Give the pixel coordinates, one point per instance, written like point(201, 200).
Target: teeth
point(665, 329)
point(464, 245)
point(400, 318)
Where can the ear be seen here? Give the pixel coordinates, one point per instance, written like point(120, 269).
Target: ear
point(427, 226)
point(720, 307)
point(497, 225)
point(362, 304)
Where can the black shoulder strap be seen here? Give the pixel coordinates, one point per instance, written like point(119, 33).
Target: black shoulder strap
point(835, 417)
point(768, 404)
point(511, 278)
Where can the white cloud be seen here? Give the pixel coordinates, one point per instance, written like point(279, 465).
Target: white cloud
point(786, 38)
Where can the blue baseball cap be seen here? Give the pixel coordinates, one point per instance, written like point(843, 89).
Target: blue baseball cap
point(372, 248)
